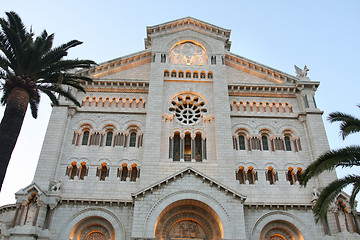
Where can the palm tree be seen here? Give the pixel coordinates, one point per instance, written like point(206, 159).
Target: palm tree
point(344, 157)
point(29, 66)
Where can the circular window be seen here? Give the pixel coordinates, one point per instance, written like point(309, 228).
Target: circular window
point(187, 109)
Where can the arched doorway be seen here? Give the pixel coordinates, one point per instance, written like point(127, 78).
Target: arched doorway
point(280, 230)
point(93, 228)
point(188, 219)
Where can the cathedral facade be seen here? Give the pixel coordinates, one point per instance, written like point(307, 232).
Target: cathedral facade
point(183, 140)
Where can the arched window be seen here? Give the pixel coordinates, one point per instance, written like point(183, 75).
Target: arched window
point(188, 74)
point(202, 75)
point(213, 60)
point(299, 173)
point(173, 73)
point(198, 147)
point(187, 147)
point(163, 58)
point(271, 175)
point(109, 137)
point(251, 175)
point(181, 74)
point(265, 143)
point(123, 172)
point(103, 171)
point(134, 173)
point(85, 138)
point(196, 75)
point(210, 75)
point(291, 176)
point(176, 148)
point(132, 142)
point(83, 170)
point(72, 171)
point(241, 142)
point(240, 175)
point(166, 73)
point(287, 143)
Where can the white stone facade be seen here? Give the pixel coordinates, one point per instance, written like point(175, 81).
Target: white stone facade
point(184, 140)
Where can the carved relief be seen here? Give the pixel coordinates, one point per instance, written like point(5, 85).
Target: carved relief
point(188, 53)
point(187, 230)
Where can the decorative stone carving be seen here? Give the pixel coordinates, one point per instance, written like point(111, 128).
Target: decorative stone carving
point(315, 194)
point(56, 186)
point(187, 230)
point(188, 53)
point(301, 72)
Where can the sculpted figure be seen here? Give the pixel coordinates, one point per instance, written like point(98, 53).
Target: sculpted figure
point(301, 72)
point(56, 186)
point(315, 194)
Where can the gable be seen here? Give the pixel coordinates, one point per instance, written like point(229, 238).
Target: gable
point(188, 23)
point(189, 179)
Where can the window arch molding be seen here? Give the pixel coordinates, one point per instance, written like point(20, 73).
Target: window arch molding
point(131, 124)
point(190, 93)
point(195, 40)
point(271, 164)
point(188, 130)
point(105, 160)
point(241, 139)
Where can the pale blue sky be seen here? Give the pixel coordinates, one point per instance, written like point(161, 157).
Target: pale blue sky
point(324, 35)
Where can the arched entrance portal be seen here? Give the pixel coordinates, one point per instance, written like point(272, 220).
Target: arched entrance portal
point(280, 230)
point(188, 219)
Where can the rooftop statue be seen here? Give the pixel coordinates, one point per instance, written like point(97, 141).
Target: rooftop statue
point(301, 72)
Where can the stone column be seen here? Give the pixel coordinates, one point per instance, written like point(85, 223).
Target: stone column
point(182, 147)
point(171, 147)
point(203, 146)
point(193, 147)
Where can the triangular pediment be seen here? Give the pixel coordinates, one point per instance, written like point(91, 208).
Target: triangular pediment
point(188, 23)
point(31, 187)
point(179, 175)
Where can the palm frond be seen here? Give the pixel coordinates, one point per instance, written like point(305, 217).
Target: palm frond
point(61, 92)
point(344, 157)
point(51, 95)
point(4, 97)
point(329, 193)
point(349, 124)
point(354, 192)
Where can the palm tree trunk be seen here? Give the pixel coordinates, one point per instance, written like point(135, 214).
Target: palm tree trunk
point(10, 126)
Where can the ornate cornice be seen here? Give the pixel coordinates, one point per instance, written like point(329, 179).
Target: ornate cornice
point(119, 64)
point(259, 70)
point(117, 86)
point(96, 202)
point(272, 91)
point(279, 206)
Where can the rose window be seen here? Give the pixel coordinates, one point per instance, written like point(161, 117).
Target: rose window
point(187, 109)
